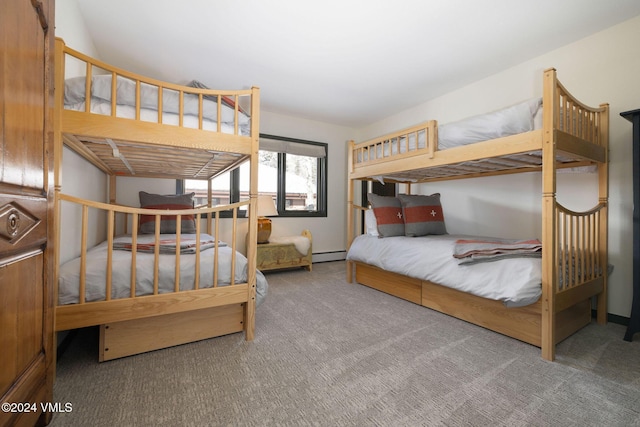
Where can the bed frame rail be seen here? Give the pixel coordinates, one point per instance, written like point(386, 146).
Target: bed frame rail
point(416, 140)
point(579, 247)
point(208, 295)
point(581, 256)
point(575, 118)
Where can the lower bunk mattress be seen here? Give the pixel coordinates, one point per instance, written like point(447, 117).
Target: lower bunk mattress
point(96, 268)
point(514, 281)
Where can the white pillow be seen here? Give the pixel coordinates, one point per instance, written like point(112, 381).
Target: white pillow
point(126, 95)
point(511, 120)
point(370, 223)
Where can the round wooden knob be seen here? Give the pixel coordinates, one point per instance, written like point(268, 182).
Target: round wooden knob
point(13, 223)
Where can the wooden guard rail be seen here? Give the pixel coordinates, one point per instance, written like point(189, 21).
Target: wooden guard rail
point(409, 142)
point(128, 212)
point(118, 76)
point(579, 251)
point(573, 117)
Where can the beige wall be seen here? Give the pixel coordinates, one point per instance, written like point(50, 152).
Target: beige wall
point(79, 177)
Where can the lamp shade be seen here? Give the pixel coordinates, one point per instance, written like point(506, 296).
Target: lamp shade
point(266, 206)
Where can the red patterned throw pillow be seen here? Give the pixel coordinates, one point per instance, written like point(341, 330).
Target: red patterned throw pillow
point(167, 222)
point(388, 212)
point(422, 215)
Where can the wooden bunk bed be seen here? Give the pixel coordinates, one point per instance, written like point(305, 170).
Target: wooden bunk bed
point(181, 145)
point(574, 244)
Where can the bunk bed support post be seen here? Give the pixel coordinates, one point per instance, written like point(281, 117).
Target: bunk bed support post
point(209, 204)
point(112, 200)
point(603, 193)
point(250, 308)
point(549, 276)
point(350, 208)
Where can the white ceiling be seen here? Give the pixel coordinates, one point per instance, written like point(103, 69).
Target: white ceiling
point(346, 62)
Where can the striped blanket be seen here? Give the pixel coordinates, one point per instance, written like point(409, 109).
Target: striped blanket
point(469, 251)
point(167, 246)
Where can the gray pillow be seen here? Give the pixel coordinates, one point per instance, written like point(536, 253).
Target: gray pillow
point(422, 215)
point(388, 212)
point(167, 222)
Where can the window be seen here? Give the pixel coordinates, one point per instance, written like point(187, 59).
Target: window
point(292, 171)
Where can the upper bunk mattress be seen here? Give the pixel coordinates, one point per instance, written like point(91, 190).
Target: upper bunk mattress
point(74, 99)
point(519, 118)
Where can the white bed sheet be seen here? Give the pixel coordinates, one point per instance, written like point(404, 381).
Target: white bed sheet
point(516, 282)
point(126, 100)
point(102, 107)
point(69, 277)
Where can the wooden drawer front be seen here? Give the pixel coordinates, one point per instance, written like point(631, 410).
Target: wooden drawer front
point(119, 339)
point(23, 224)
point(400, 286)
point(522, 323)
point(21, 316)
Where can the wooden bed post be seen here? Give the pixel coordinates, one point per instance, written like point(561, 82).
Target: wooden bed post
point(549, 268)
point(112, 200)
point(250, 309)
point(603, 190)
point(209, 204)
point(350, 208)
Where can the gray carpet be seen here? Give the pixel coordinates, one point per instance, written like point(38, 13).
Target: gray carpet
point(327, 353)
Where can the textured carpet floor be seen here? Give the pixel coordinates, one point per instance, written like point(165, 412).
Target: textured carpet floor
point(327, 353)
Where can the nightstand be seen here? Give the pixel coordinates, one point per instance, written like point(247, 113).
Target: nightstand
point(281, 253)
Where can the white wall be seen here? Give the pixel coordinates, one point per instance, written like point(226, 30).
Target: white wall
point(328, 233)
point(71, 28)
point(602, 68)
point(79, 178)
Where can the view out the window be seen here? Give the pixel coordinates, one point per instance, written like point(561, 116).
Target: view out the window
point(292, 172)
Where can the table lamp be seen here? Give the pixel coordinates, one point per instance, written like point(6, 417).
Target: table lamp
point(266, 207)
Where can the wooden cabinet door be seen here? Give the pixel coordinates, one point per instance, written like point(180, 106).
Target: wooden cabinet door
point(26, 295)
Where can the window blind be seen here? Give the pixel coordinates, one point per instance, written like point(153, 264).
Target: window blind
point(292, 147)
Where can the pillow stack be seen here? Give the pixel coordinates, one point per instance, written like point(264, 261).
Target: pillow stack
point(406, 215)
point(167, 222)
